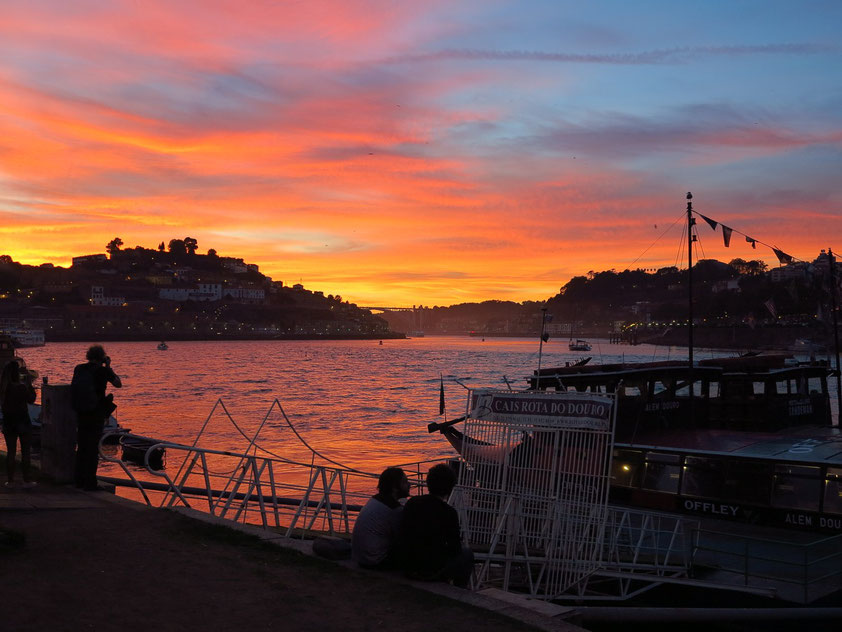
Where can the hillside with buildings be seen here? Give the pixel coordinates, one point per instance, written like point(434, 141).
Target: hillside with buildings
point(170, 293)
point(735, 304)
point(173, 292)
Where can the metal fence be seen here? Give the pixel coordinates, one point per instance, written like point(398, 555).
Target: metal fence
point(795, 571)
point(533, 491)
point(294, 497)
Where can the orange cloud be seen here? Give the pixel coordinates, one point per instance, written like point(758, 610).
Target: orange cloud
point(353, 146)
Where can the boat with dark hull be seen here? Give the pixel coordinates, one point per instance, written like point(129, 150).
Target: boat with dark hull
point(759, 393)
point(767, 463)
point(579, 345)
point(135, 448)
point(746, 438)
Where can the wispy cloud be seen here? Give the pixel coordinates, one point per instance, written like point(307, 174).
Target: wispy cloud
point(681, 55)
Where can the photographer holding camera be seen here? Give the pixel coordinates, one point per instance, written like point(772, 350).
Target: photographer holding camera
point(92, 409)
point(16, 393)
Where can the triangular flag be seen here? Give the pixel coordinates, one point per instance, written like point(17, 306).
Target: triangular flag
point(710, 222)
point(726, 235)
point(782, 256)
point(753, 242)
point(770, 305)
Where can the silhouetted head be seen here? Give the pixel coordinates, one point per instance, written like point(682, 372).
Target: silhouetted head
point(441, 479)
point(11, 372)
point(393, 482)
point(96, 354)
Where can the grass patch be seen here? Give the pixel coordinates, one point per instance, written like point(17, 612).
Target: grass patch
point(11, 540)
point(385, 586)
point(203, 531)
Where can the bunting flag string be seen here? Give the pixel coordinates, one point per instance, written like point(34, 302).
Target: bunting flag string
point(782, 256)
point(726, 237)
point(710, 222)
point(770, 305)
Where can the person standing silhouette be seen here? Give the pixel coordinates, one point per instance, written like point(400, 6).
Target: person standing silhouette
point(17, 425)
point(92, 409)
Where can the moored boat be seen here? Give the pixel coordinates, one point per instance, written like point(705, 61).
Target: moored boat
point(782, 473)
point(136, 448)
point(26, 337)
point(744, 438)
point(579, 345)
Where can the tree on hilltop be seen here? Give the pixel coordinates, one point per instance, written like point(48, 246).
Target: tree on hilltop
point(113, 246)
point(748, 268)
point(190, 245)
point(177, 247)
point(161, 247)
point(212, 252)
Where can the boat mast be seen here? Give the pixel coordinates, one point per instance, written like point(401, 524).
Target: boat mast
point(690, 222)
point(832, 261)
point(541, 348)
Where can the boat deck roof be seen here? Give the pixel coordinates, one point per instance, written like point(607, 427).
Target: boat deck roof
point(810, 444)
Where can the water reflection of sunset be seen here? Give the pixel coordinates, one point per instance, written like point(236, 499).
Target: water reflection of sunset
point(416, 153)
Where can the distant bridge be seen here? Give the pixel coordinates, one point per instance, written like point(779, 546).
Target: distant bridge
point(389, 309)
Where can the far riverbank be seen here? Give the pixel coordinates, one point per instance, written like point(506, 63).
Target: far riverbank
point(185, 337)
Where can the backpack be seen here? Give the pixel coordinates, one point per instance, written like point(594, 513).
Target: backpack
point(83, 393)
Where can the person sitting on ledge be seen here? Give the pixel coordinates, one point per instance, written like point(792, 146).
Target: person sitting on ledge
point(430, 541)
point(375, 531)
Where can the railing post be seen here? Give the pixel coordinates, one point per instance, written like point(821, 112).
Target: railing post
point(806, 576)
point(58, 433)
point(745, 556)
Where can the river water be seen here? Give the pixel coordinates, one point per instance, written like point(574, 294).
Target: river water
point(360, 403)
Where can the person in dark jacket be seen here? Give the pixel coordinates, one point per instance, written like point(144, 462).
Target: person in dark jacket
point(91, 417)
point(17, 426)
point(430, 539)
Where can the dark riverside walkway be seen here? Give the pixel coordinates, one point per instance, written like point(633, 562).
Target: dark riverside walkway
point(94, 561)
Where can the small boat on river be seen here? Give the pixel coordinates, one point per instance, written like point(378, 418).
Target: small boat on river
point(579, 345)
point(163, 346)
point(135, 449)
point(22, 337)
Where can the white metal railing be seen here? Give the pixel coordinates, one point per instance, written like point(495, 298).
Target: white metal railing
point(280, 494)
point(293, 497)
point(798, 571)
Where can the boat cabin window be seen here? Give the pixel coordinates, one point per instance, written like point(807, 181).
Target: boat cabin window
point(703, 477)
point(662, 472)
point(746, 481)
point(833, 491)
point(782, 387)
point(626, 468)
point(796, 487)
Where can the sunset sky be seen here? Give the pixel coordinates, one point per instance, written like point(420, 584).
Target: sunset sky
point(435, 152)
